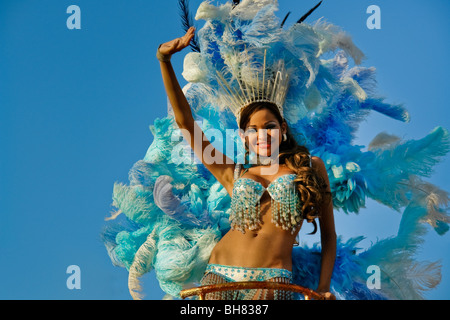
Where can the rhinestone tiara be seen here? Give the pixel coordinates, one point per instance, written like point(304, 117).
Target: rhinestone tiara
point(250, 84)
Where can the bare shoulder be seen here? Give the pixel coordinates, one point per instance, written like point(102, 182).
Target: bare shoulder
point(319, 165)
point(317, 162)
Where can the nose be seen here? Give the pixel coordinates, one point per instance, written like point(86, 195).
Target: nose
point(267, 136)
point(263, 135)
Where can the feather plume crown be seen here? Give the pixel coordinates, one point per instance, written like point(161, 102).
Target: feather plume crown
point(235, 43)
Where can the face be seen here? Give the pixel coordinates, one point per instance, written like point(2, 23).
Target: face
point(264, 133)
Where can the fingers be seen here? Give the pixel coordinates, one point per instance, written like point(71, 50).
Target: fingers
point(188, 36)
point(329, 296)
point(191, 30)
point(326, 295)
point(178, 44)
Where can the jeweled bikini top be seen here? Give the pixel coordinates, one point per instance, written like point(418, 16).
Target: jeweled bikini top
point(246, 202)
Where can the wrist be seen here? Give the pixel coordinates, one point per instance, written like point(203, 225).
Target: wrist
point(323, 288)
point(162, 57)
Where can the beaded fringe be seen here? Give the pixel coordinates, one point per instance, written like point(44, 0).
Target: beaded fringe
point(246, 294)
point(286, 213)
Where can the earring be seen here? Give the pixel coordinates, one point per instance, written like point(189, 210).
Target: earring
point(284, 137)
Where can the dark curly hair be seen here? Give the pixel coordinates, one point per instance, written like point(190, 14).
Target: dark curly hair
point(311, 187)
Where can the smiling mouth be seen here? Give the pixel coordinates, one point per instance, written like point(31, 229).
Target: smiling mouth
point(265, 146)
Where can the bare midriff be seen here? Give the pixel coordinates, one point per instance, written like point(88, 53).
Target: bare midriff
point(268, 247)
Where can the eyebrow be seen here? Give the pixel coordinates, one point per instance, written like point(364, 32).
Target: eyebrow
point(252, 125)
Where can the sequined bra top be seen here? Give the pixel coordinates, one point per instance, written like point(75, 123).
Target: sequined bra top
point(285, 202)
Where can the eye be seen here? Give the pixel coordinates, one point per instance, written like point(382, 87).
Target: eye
point(250, 131)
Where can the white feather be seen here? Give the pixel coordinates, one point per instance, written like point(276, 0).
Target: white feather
point(142, 260)
point(247, 9)
point(208, 11)
point(383, 140)
point(194, 68)
point(425, 275)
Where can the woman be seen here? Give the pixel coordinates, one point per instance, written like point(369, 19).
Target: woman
point(257, 246)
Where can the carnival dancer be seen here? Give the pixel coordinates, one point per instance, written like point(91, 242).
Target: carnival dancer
point(291, 102)
point(259, 245)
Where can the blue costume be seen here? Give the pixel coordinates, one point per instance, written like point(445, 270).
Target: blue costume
point(216, 273)
point(246, 214)
point(245, 202)
point(173, 211)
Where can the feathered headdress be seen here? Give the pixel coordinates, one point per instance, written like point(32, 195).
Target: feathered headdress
point(246, 75)
point(252, 84)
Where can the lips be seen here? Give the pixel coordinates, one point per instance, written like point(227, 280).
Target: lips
point(264, 146)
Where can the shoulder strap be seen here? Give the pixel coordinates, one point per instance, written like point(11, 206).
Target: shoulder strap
point(237, 170)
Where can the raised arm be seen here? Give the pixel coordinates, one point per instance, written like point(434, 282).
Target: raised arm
point(216, 162)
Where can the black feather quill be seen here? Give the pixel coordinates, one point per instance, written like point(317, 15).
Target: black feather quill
point(284, 20)
point(306, 15)
point(187, 22)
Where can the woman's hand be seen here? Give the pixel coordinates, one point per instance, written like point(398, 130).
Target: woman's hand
point(177, 44)
point(327, 295)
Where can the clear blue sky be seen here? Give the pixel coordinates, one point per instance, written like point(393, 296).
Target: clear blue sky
point(76, 105)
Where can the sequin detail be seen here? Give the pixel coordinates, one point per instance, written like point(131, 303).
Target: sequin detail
point(217, 273)
point(246, 203)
